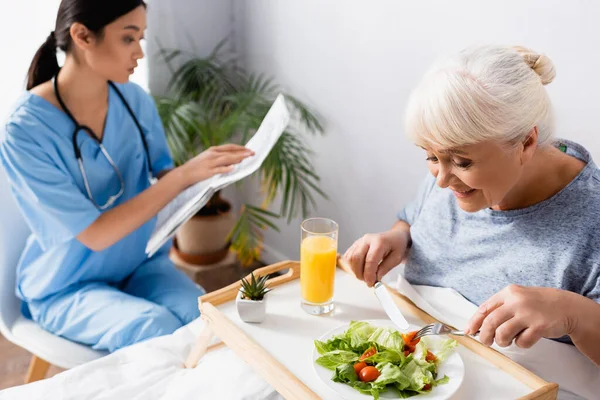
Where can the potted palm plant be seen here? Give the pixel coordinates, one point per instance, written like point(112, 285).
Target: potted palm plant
point(212, 101)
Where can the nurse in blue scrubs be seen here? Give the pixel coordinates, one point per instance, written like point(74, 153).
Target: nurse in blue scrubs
point(80, 149)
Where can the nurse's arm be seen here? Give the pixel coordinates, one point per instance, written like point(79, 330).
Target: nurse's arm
point(114, 224)
point(163, 173)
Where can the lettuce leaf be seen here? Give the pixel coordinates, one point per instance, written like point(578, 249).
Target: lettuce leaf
point(337, 358)
point(345, 373)
point(358, 332)
point(391, 356)
point(417, 375)
point(391, 373)
point(388, 338)
point(441, 381)
point(446, 348)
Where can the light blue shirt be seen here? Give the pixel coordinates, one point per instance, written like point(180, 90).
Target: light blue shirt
point(37, 154)
point(555, 243)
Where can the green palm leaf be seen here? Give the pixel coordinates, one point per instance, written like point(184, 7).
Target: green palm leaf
point(212, 101)
point(246, 236)
point(289, 165)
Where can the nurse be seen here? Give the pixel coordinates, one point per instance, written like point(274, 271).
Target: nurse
point(79, 150)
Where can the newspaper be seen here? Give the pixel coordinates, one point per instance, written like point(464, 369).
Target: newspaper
point(191, 200)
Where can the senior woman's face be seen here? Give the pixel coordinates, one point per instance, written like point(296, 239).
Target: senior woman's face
point(479, 175)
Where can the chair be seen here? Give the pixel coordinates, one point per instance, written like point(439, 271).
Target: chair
point(46, 347)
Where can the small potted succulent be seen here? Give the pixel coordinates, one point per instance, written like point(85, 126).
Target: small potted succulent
point(251, 301)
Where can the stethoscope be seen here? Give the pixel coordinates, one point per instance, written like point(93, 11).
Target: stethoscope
point(90, 132)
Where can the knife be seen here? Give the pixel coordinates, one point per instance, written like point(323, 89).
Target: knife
point(390, 308)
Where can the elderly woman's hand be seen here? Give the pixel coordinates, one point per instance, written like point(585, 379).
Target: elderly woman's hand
point(525, 315)
point(374, 255)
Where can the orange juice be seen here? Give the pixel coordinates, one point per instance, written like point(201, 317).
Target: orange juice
point(317, 268)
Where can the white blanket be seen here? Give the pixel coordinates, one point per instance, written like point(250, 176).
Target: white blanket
point(154, 369)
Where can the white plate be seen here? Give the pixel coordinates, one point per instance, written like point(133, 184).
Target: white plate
point(453, 367)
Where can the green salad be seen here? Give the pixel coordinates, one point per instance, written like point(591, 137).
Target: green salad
point(377, 359)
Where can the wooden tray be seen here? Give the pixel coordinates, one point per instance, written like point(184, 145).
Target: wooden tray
point(288, 385)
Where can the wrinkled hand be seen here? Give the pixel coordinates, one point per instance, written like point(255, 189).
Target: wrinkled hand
point(213, 161)
point(374, 255)
point(525, 315)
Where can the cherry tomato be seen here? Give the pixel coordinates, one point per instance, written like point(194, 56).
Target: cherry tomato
point(406, 353)
point(409, 339)
point(427, 387)
point(368, 353)
point(368, 374)
point(430, 357)
point(409, 348)
point(359, 366)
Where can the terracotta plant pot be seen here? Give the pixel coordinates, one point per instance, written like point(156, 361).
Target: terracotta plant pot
point(203, 239)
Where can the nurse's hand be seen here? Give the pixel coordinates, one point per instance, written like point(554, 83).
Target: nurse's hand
point(525, 315)
point(213, 161)
point(374, 255)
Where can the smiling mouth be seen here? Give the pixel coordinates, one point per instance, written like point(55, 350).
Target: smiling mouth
point(463, 193)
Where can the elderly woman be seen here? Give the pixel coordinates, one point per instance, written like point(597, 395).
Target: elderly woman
point(509, 216)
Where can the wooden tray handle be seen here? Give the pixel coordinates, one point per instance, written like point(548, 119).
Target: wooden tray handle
point(293, 273)
point(229, 292)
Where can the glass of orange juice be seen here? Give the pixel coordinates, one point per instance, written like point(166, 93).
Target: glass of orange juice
point(318, 254)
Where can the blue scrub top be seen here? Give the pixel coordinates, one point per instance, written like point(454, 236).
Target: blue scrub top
point(37, 154)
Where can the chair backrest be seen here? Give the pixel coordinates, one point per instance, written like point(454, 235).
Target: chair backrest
point(13, 236)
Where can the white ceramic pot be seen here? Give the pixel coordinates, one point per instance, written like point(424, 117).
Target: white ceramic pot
point(251, 310)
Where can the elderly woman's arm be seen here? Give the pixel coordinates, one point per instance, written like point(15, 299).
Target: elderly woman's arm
point(527, 314)
point(586, 332)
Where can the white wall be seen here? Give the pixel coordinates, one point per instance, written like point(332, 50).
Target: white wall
point(24, 26)
point(195, 26)
point(356, 62)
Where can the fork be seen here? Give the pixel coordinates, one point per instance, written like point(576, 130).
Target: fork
point(439, 329)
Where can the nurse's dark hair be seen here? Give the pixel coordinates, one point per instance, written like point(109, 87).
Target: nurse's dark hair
point(94, 14)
